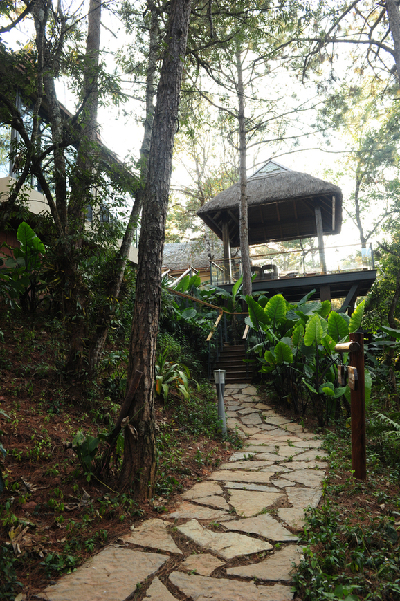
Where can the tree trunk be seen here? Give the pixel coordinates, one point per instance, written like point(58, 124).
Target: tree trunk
point(99, 337)
point(393, 13)
point(243, 209)
point(359, 224)
point(82, 192)
point(139, 463)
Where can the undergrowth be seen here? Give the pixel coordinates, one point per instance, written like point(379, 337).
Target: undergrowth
point(351, 542)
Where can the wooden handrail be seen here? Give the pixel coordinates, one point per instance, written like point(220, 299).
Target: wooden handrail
point(215, 327)
point(347, 347)
point(197, 300)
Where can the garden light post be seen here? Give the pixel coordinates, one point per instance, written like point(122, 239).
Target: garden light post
point(219, 377)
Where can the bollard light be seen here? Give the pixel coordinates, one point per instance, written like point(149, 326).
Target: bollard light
point(219, 377)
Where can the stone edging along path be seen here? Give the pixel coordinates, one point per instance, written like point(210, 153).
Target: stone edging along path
point(242, 522)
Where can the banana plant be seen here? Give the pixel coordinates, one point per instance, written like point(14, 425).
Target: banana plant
point(168, 374)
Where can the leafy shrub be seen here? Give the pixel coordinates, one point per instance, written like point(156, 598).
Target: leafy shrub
point(297, 347)
point(8, 578)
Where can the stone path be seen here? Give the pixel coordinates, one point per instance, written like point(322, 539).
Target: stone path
point(242, 522)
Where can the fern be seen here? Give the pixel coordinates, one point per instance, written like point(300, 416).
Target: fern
point(393, 434)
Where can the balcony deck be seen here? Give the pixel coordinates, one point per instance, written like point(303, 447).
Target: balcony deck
point(333, 285)
point(350, 272)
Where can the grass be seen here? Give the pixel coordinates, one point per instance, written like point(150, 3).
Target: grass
point(351, 542)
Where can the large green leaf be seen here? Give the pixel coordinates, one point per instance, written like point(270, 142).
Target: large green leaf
point(325, 308)
point(248, 321)
point(37, 245)
point(306, 297)
point(269, 357)
point(393, 333)
point(314, 332)
point(262, 301)
point(25, 234)
point(183, 285)
point(195, 281)
point(237, 286)
point(283, 353)
point(258, 316)
point(340, 391)
point(329, 343)
point(311, 388)
point(356, 318)
point(276, 308)
point(189, 313)
point(337, 326)
point(310, 307)
point(327, 388)
point(298, 334)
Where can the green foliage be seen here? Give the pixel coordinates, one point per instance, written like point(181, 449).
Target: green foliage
point(276, 309)
point(356, 318)
point(337, 326)
point(314, 332)
point(393, 428)
point(2, 454)
point(258, 316)
point(351, 552)
point(168, 374)
point(86, 448)
point(298, 351)
point(9, 583)
point(21, 279)
point(283, 353)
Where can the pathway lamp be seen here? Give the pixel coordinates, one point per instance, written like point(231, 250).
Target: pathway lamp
point(219, 377)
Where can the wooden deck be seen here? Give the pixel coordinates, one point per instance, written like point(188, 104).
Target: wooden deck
point(348, 285)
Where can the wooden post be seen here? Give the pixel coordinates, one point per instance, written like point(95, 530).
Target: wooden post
point(227, 252)
point(321, 248)
point(358, 452)
point(325, 293)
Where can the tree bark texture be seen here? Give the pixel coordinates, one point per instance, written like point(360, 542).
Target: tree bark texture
point(83, 175)
point(139, 464)
point(243, 209)
point(393, 13)
point(82, 190)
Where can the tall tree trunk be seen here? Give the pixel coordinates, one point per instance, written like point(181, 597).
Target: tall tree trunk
point(243, 209)
point(359, 224)
point(393, 13)
point(81, 191)
point(99, 337)
point(139, 464)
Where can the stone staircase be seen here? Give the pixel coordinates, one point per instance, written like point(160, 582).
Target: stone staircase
point(232, 360)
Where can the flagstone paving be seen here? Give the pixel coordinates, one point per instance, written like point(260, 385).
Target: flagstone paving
point(240, 525)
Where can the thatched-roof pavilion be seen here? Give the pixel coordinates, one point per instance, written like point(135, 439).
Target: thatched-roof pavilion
point(283, 205)
point(286, 205)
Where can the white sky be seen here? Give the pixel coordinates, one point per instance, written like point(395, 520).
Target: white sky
point(124, 135)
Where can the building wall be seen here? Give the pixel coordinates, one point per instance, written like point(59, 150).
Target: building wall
point(37, 204)
point(9, 238)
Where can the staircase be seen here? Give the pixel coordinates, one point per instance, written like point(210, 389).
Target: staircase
point(231, 359)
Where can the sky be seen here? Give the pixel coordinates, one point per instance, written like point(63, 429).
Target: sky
point(124, 134)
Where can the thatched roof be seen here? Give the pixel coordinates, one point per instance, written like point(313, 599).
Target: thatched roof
point(192, 253)
point(281, 206)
